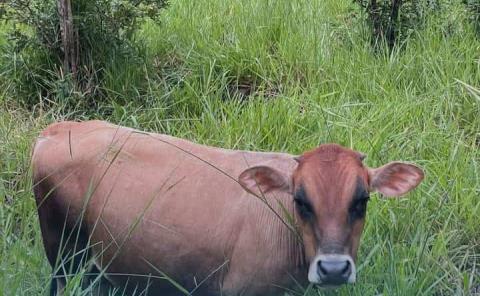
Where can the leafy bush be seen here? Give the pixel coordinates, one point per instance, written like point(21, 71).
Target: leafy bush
point(72, 40)
point(473, 7)
point(394, 20)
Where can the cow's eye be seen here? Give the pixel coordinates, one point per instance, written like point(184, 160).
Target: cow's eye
point(359, 207)
point(304, 208)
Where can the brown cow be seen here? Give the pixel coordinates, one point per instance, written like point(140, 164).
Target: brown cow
point(149, 212)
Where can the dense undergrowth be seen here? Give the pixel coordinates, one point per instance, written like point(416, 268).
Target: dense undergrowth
point(281, 76)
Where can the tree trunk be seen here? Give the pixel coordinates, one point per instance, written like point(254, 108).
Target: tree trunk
point(393, 25)
point(69, 38)
point(374, 12)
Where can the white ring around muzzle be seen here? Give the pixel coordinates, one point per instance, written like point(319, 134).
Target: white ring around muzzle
point(313, 275)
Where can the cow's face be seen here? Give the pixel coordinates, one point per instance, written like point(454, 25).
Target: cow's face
point(330, 187)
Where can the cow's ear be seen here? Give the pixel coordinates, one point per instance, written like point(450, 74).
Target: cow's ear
point(259, 180)
point(395, 178)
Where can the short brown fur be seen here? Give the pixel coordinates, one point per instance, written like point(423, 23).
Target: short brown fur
point(151, 205)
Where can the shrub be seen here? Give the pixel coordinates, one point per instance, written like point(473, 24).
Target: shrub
point(391, 21)
point(75, 40)
point(473, 7)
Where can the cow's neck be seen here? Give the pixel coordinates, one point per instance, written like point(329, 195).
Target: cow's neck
point(286, 240)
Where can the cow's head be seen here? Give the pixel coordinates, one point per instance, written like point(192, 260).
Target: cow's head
point(330, 187)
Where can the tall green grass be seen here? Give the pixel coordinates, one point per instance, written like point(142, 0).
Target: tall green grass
point(314, 79)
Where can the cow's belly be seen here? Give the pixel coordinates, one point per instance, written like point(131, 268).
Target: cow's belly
point(194, 257)
point(150, 250)
point(151, 241)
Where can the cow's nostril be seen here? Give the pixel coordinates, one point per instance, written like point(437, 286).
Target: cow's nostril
point(347, 269)
point(321, 270)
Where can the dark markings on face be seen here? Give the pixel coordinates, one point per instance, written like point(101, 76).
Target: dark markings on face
point(303, 205)
point(358, 206)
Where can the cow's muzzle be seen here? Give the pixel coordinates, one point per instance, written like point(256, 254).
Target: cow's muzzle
point(332, 270)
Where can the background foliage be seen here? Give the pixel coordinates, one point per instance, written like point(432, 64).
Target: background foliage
point(102, 29)
point(474, 8)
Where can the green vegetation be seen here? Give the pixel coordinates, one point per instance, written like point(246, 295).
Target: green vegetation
point(283, 76)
